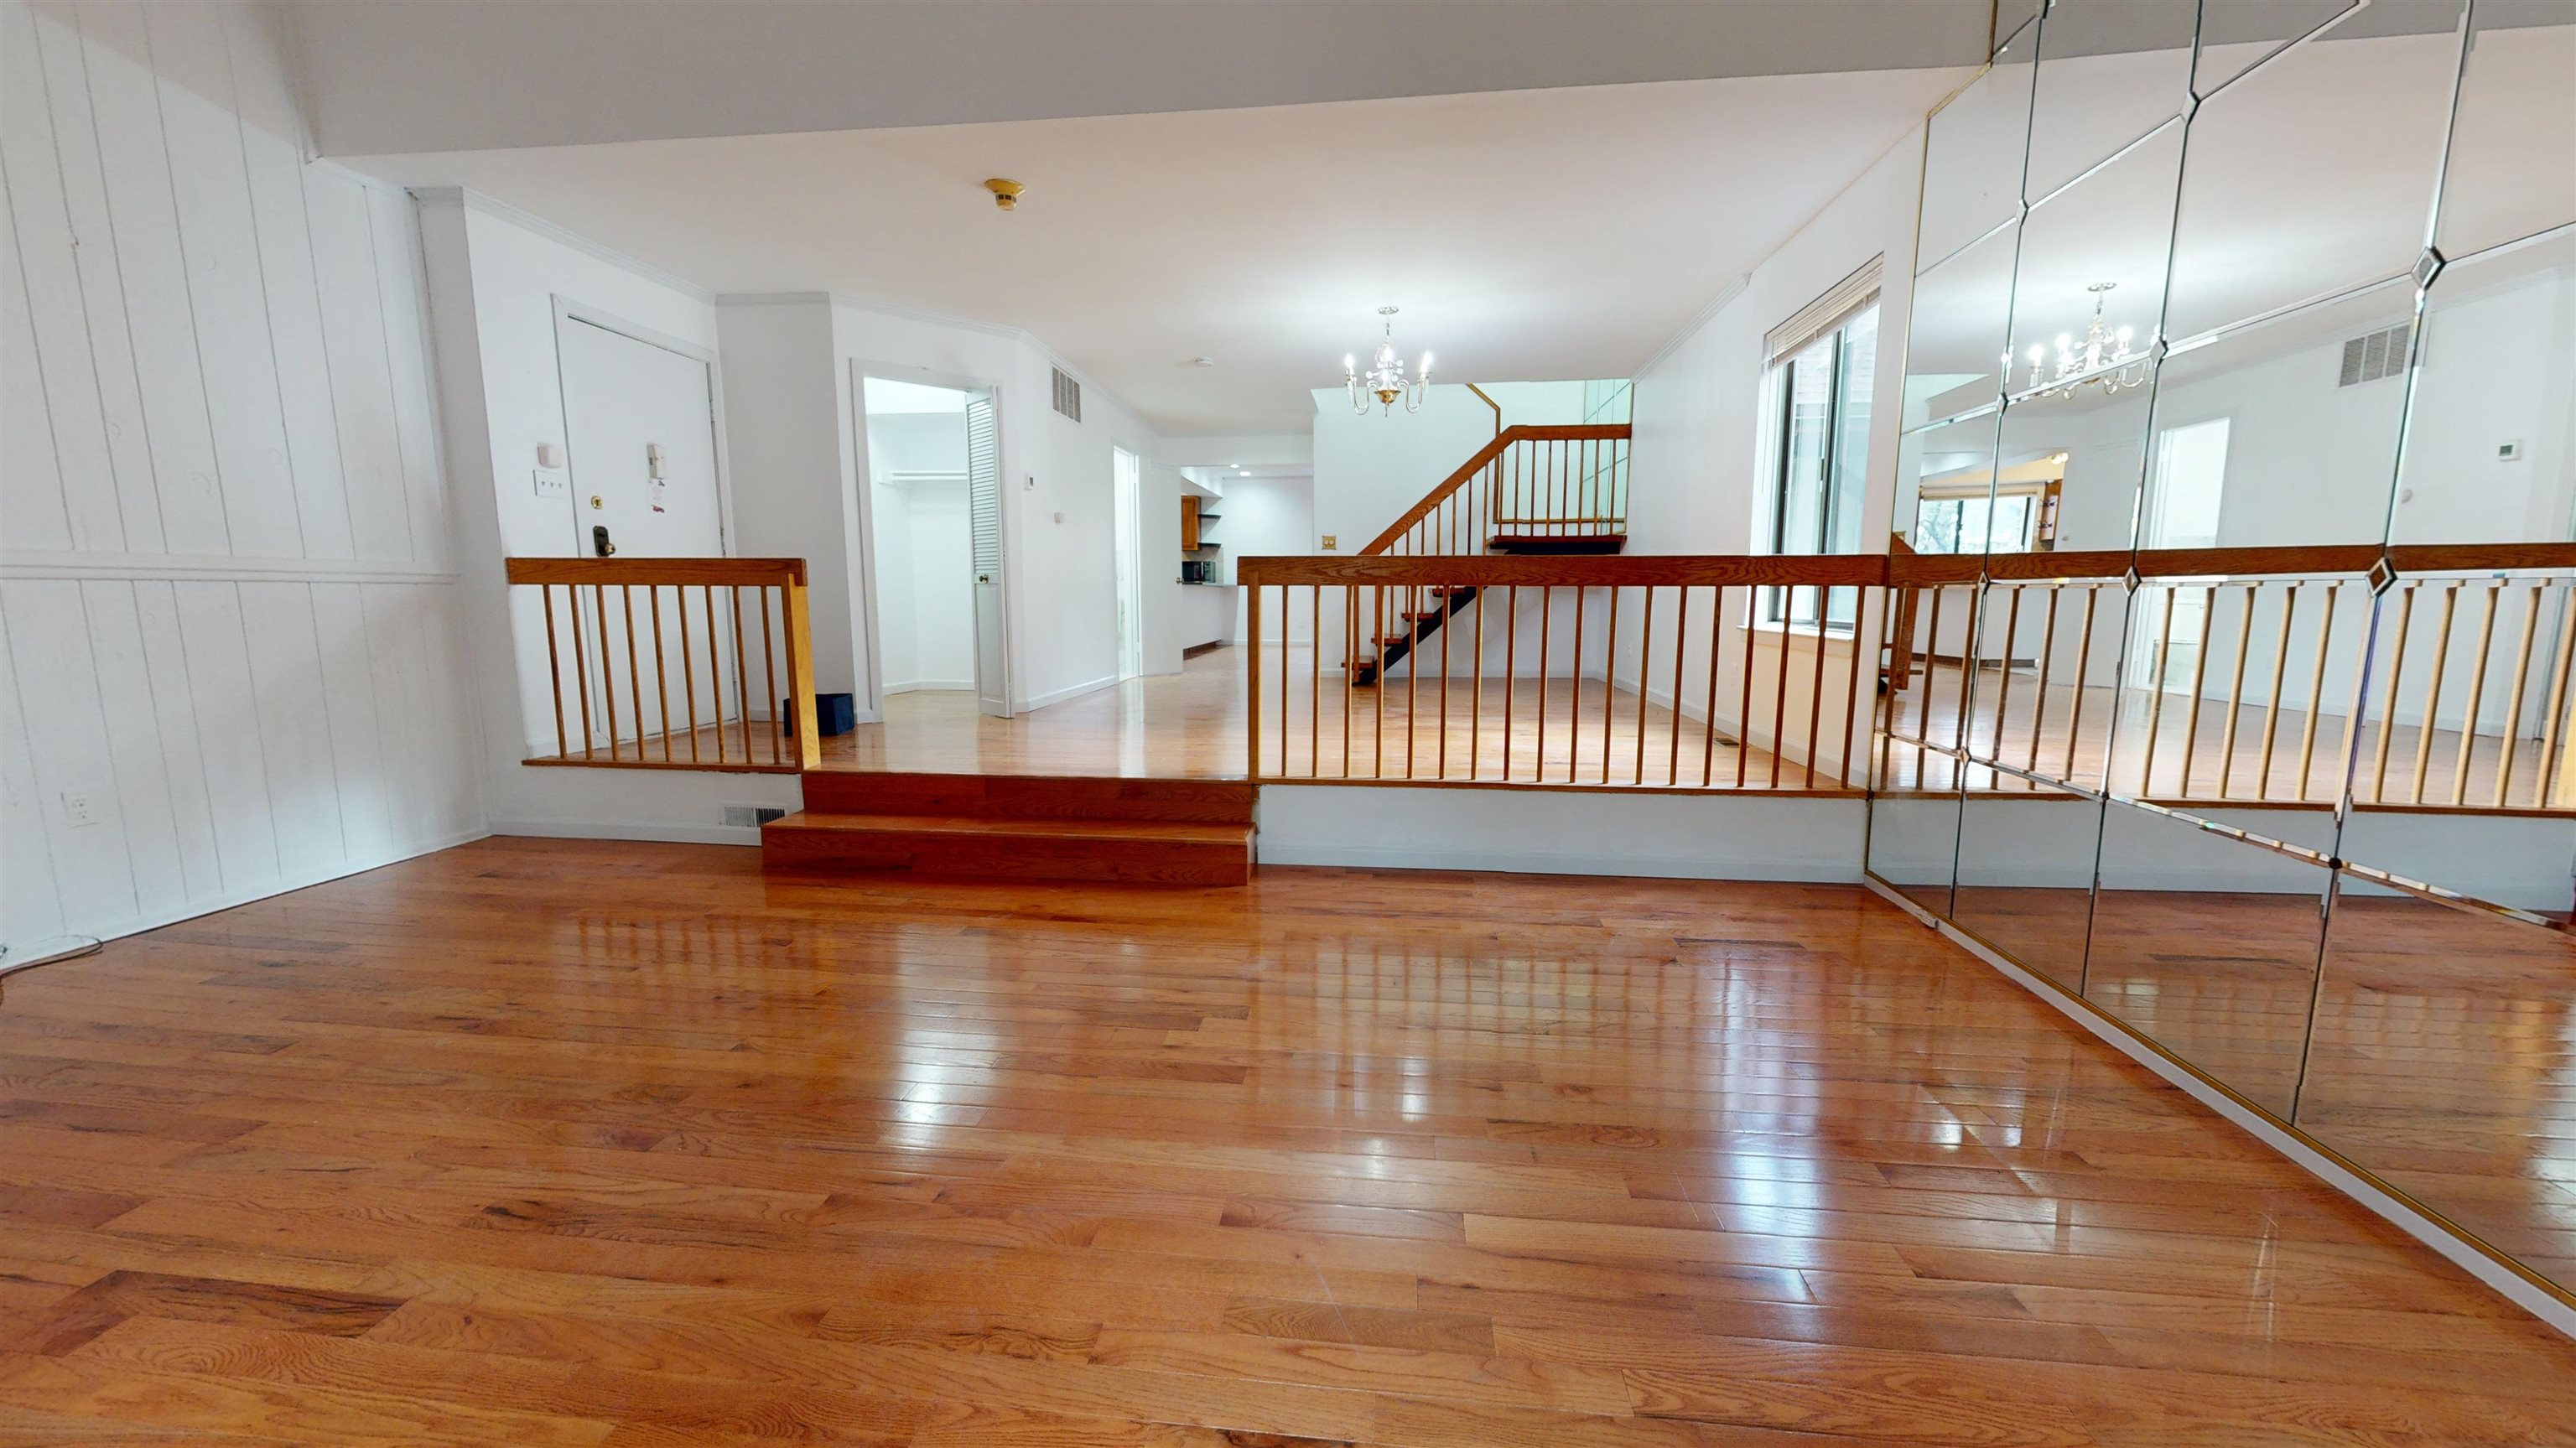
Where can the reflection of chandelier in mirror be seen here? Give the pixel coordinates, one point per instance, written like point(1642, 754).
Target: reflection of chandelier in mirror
point(1385, 379)
point(2104, 360)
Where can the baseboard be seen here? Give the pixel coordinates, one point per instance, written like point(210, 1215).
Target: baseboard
point(136, 925)
point(913, 686)
point(668, 834)
point(1076, 691)
point(1655, 867)
point(2514, 1287)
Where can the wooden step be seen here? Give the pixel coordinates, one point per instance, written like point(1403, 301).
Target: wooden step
point(1029, 796)
point(1158, 852)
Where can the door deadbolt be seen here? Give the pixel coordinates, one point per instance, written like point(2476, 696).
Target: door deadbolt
point(599, 544)
point(597, 502)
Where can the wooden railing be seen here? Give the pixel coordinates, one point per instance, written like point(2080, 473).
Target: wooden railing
point(2240, 676)
point(2244, 676)
point(1588, 672)
point(673, 663)
point(1528, 483)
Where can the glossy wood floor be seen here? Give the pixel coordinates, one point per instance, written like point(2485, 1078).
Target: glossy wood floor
point(537, 1142)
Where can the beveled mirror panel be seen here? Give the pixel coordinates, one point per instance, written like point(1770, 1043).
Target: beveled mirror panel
point(2311, 175)
point(2445, 1041)
point(1973, 151)
point(1961, 321)
point(2237, 35)
point(2208, 947)
point(2089, 286)
point(2110, 71)
point(1914, 844)
point(2511, 172)
point(2025, 882)
point(2489, 456)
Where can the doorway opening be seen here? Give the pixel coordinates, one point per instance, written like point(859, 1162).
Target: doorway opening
point(2186, 487)
point(933, 464)
point(1128, 474)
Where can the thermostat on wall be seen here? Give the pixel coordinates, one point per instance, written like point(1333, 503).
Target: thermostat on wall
point(2509, 452)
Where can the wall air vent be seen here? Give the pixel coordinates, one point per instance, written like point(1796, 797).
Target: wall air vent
point(1068, 395)
point(2374, 355)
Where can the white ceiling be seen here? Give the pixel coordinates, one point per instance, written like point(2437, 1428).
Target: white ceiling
point(1530, 234)
point(382, 76)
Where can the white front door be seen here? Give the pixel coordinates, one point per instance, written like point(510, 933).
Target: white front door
point(639, 433)
point(984, 525)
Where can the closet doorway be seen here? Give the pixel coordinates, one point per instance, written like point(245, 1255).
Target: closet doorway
point(922, 536)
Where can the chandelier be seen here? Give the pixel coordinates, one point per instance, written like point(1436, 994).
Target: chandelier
point(2104, 360)
point(1385, 379)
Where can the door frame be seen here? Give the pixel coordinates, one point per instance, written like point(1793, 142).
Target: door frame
point(860, 369)
point(1130, 599)
point(568, 310)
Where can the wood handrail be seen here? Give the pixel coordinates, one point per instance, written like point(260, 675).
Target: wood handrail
point(745, 572)
point(1905, 569)
point(1499, 570)
point(1475, 465)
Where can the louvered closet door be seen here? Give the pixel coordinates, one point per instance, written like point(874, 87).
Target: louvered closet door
point(984, 509)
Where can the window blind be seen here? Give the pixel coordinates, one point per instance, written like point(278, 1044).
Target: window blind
point(1823, 314)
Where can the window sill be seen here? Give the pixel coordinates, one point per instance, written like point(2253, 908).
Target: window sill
point(1835, 633)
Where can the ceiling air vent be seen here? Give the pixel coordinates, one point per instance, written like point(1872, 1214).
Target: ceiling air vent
point(1068, 395)
point(2374, 355)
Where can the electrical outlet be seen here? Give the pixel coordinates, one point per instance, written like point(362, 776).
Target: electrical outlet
point(80, 808)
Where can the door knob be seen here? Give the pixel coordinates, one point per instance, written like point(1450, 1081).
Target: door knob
point(983, 578)
point(599, 544)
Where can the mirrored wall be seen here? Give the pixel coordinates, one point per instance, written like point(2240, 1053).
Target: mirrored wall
point(2232, 695)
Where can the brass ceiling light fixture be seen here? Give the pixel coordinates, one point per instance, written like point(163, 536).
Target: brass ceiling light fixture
point(1006, 192)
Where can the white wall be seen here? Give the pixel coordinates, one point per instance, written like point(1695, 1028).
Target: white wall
point(1696, 471)
point(1267, 517)
point(494, 277)
point(1370, 469)
point(229, 616)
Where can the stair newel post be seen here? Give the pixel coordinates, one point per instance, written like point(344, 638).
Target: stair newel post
point(800, 669)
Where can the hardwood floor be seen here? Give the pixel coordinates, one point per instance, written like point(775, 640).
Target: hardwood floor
point(549, 1142)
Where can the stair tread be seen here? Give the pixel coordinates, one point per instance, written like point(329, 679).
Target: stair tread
point(1172, 831)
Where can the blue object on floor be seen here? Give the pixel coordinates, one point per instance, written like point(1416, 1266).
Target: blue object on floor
point(833, 714)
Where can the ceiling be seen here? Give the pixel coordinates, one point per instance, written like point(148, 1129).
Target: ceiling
point(1540, 234)
point(382, 76)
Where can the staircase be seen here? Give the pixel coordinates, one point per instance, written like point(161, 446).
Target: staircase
point(1532, 491)
point(1019, 827)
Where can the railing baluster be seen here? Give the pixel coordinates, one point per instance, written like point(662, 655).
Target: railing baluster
point(1252, 685)
point(2156, 693)
point(580, 667)
point(2433, 694)
point(2199, 678)
point(554, 668)
point(2039, 690)
point(2280, 686)
point(2546, 773)
point(1284, 692)
point(2388, 712)
point(2316, 690)
point(1708, 710)
point(688, 666)
point(2236, 692)
point(1744, 704)
point(2511, 743)
point(607, 665)
point(1412, 671)
point(661, 678)
point(1315, 670)
point(1645, 680)
point(2477, 695)
point(741, 670)
point(2003, 668)
point(1931, 659)
point(1476, 682)
point(634, 675)
point(715, 672)
point(1350, 665)
point(1511, 673)
point(2083, 667)
point(1608, 681)
point(1960, 736)
point(1444, 601)
point(769, 684)
point(1816, 683)
point(1546, 635)
point(1574, 693)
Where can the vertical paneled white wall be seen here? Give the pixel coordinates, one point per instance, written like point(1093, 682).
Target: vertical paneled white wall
point(230, 660)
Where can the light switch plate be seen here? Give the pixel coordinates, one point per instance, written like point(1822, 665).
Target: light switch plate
point(80, 807)
point(553, 484)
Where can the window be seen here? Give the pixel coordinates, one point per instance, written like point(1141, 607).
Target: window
point(1824, 366)
point(1967, 520)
